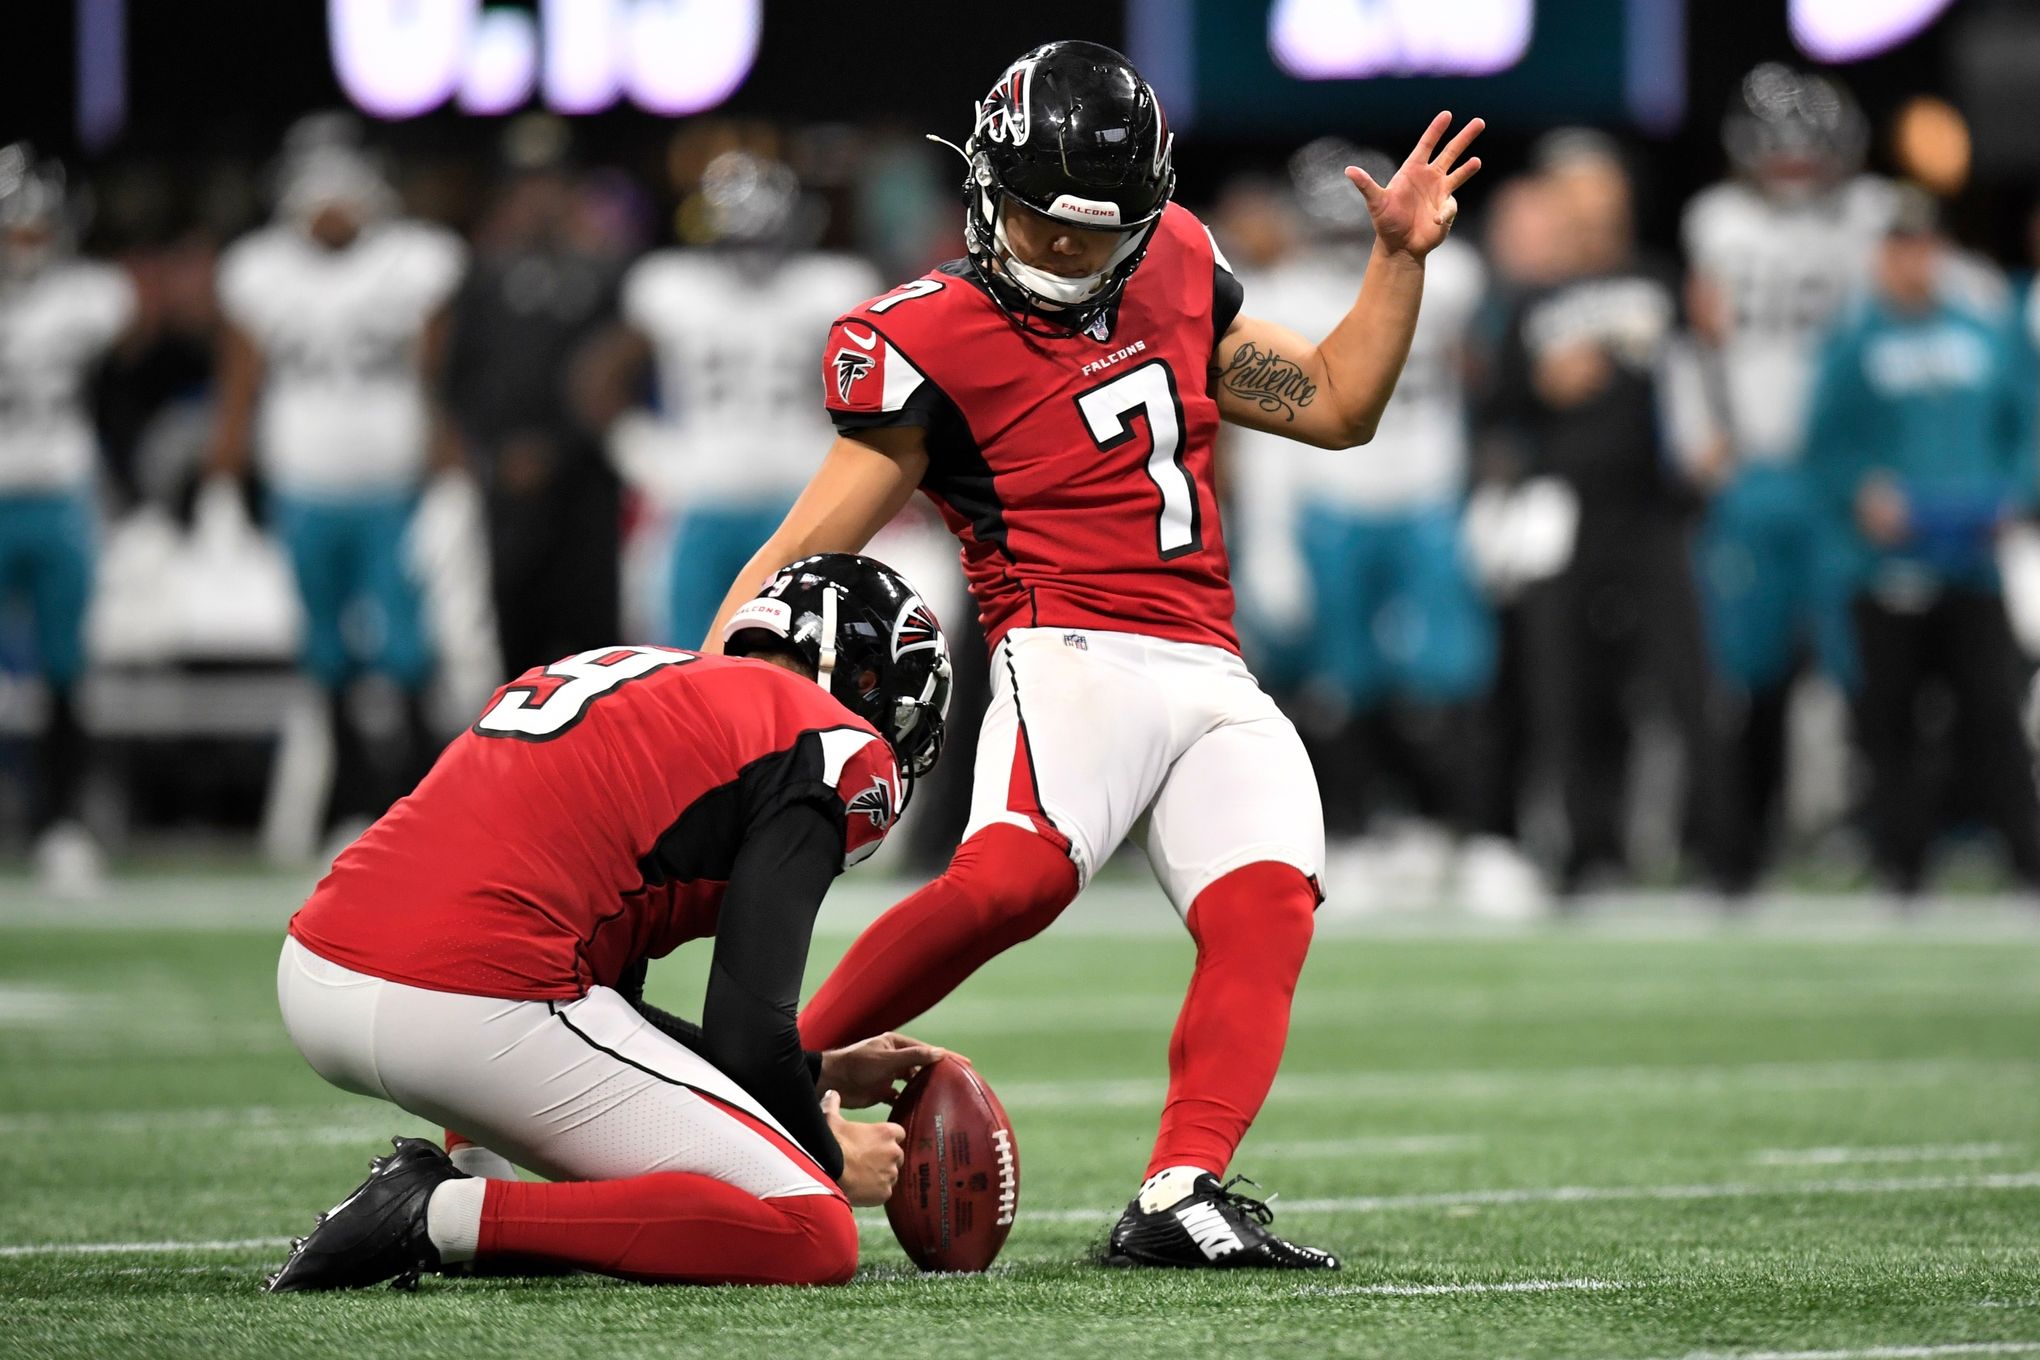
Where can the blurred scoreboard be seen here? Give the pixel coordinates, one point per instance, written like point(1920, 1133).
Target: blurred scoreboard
point(1293, 68)
point(159, 75)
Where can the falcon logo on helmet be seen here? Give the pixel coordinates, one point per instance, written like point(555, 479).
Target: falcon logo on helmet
point(1002, 115)
point(916, 629)
point(850, 366)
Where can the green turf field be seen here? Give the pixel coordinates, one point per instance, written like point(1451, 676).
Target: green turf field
point(1582, 1142)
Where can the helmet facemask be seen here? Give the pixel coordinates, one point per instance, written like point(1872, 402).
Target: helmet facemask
point(1071, 133)
point(1055, 293)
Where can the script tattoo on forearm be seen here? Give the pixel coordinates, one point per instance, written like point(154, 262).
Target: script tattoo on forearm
point(1268, 380)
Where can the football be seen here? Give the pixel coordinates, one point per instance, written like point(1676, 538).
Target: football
point(960, 1187)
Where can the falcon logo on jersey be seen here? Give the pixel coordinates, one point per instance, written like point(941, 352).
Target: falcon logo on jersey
point(1003, 116)
point(915, 630)
point(875, 802)
point(851, 366)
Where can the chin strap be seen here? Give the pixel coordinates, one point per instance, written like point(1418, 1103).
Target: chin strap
point(1053, 290)
point(826, 667)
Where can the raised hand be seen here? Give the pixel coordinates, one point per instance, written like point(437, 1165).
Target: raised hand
point(1414, 213)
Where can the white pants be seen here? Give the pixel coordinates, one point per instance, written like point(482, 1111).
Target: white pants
point(1088, 732)
point(574, 1090)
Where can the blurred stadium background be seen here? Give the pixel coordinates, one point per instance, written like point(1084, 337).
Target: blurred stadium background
point(626, 223)
point(1587, 634)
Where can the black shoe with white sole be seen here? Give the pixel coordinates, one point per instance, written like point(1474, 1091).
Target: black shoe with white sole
point(378, 1232)
point(1212, 1228)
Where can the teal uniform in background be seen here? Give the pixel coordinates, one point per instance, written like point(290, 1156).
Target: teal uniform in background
point(1943, 404)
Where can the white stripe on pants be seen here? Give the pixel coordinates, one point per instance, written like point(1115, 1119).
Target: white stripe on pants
point(1119, 726)
point(574, 1090)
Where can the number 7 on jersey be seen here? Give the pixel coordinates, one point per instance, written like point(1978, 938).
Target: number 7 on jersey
point(1108, 410)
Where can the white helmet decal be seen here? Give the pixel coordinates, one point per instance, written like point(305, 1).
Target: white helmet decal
point(1003, 116)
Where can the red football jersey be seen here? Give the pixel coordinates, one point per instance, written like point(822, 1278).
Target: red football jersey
point(588, 820)
point(1076, 470)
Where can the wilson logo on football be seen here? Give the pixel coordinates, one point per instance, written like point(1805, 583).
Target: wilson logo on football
point(915, 630)
point(875, 802)
point(850, 368)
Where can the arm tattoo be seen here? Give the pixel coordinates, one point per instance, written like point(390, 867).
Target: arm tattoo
point(1268, 380)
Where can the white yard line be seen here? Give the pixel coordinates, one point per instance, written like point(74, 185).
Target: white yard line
point(1589, 1194)
point(315, 1123)
point(26, 1004)
point(1417, 1145)
point(141, 1248)
point(1875, 1352)
point(1561, 1194)
point(1413, 1291)
point(1487, 1083)
point(1850, 1156)
point(1135, 1091)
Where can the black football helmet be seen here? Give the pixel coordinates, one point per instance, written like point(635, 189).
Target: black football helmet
point(1073, 132)
point(871, 641)
point(1805, 123)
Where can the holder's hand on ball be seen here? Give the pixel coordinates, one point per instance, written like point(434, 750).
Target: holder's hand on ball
point(872, 1154)
point(870, 1073)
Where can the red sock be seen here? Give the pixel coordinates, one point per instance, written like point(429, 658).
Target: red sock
point(1252, 929)
point(1003, 886)
point(671, 1227)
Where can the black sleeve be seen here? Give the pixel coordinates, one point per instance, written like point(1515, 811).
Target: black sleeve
point(748, 1027)
point(683, 1032)
point(1227, 297)
point(631, 986)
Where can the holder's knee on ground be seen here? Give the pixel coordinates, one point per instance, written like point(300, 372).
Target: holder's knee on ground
point(672, 1227)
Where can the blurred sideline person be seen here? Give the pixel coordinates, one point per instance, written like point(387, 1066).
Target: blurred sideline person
point(1057, 394)
point(1360, 559)
point(1518, 527)
point(479, 956)
point(1579, 376)
point(732, 330)
point(335, 323)
point(59, 315)
point(1774, 253)
point(1923, 443)
point(522, 319)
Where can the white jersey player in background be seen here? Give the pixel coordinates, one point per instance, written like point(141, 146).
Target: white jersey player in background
point(1774, 253)
point(730, 329)
point(334, 319)
point(1356, 568)
point(59, 315)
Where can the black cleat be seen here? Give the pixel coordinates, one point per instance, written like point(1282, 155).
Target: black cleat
point(378, 1232)
point(1211, 1229)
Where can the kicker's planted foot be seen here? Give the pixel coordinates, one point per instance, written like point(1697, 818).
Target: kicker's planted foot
point(1210, 1228)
